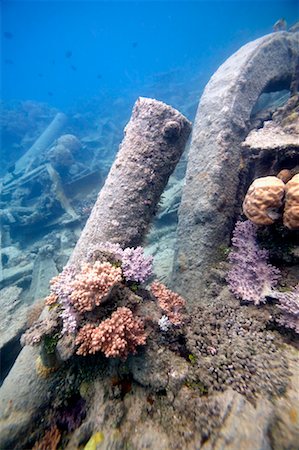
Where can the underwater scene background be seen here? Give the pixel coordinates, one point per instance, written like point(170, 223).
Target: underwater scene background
point(190, 341)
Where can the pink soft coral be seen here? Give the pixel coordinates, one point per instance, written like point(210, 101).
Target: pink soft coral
point(115, 337)
point(92, 284)
point(170, 302)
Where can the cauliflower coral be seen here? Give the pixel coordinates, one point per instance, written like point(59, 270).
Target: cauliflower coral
point(92, 284)
point(115, 337)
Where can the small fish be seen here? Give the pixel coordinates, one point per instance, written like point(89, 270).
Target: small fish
point(280, 25)
point(99, 76)
point(53, 62)
point(74, 68)
point(40, 75)
point(134, 44)
point(50, 94)
point(68, 54)
point(8, 35)
point(8, 61)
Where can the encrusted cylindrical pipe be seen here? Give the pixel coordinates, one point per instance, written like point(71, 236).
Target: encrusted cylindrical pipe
point(51, 133)
point(155, 138)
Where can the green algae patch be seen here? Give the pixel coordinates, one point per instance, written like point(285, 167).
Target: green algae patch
point(95, 439)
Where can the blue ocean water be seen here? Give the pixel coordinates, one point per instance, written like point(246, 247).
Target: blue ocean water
point(62, 51)
point(70, 74)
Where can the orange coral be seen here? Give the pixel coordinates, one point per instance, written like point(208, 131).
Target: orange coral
point(170, 302)
point(50, 440)
point(115, 337)
point(92, 284)
point(52, 299)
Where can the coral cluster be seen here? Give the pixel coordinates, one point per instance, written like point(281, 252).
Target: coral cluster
point(248, 357)
point(267, 195)
point(115, 337)
point(170, 303)
point(251, 278)
point(91, 316)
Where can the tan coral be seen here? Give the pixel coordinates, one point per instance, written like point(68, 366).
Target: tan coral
point(291, 209)
point(263, 200)
point(285, 175)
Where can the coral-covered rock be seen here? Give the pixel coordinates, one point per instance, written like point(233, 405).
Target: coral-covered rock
point(43, 327)
point(263, 200)
point(291, 209)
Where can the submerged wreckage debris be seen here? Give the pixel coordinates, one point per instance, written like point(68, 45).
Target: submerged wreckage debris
point(142, 169)
point(210, 196)
point(193, 386)
point(51, 133)
point(154, 141)
point(40, 220)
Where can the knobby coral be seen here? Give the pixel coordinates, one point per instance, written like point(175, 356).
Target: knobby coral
point(115, 337)
point(170, 302)
point(263, 200)
point(251, 278)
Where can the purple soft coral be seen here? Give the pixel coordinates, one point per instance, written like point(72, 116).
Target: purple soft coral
point(250, 278)
point(62, 287)
point(289, 306)
point(135, 265)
